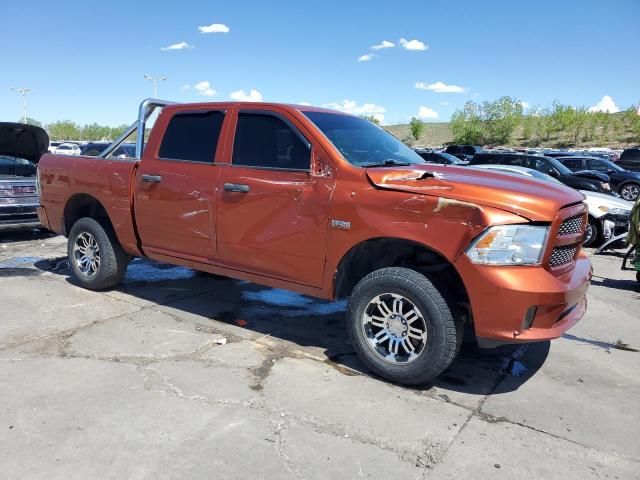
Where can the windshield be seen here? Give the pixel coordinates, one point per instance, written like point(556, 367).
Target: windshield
point(362, 143)
point(16, 167)
point(559, 166)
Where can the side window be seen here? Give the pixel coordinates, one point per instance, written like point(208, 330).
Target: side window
point(573, 164)
point(512, 160)
point(192, 136)
point(597, 165)
point(264, 140)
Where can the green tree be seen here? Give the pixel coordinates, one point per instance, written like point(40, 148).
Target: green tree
point(466, 125)
point(416, 127)
point(64, 130)
point(371, 118)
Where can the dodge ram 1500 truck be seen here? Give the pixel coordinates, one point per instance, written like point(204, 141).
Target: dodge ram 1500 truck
point(330, 205)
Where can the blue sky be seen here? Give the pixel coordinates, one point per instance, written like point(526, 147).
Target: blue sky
point(86, 60)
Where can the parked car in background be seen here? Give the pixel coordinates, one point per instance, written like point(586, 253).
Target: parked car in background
point(53, 146)
point(431, 156)
point(630, 159)
point(608, 215)
point(463, 152)
point(67, 149)
point(20, 149)
point(330, 205)
point(584, 180)
point(625, 182)
point(93, 149)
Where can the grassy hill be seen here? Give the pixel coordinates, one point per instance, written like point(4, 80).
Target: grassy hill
point(436, 134)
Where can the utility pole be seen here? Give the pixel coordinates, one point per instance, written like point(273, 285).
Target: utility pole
point(23, 92)
point(154, 80)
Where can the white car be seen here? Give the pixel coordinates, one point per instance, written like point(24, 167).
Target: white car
point(608, 215)
point(67, 149)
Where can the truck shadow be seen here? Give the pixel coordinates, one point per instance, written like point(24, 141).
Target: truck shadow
point(25, 235)
point(308, 324)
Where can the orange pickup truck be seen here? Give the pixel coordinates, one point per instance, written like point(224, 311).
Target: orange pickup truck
point(332, 206)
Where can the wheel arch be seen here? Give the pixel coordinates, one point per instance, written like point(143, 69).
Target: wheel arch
point(380, 252)
point(84, 205)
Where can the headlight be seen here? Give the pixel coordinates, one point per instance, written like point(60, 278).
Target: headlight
point(614, 211)
point(606, 186)
point(509, 245)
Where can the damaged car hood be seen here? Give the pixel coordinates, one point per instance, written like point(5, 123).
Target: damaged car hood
point(23, 141)
point(533, 199)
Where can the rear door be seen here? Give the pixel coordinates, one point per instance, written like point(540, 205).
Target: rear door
point(272, 207)
point(176, 185)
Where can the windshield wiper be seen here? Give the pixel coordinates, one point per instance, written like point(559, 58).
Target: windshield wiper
point(388, 162)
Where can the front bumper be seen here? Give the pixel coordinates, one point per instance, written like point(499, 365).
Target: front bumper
point(18, 216)
point(515, 304)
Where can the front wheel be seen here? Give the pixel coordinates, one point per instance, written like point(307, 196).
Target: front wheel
point(96, 258)
point(630, 192)
point(401, 326)
point(591, 233)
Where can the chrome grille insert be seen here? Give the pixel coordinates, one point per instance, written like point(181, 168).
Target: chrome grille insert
point(563, 255)
point(571, 225)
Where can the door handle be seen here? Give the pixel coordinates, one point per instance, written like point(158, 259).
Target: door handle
point(151, 178)
point(237, 187)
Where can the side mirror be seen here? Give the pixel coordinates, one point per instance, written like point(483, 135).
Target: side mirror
point(321, 167)
point(610, 171)
point(554, 173)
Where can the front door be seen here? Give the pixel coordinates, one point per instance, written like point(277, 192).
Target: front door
point(272, 210)
point(176, 187)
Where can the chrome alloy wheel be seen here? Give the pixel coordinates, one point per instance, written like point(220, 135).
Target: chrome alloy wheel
point(630, 192)
point(395, 328)
point(87, 254)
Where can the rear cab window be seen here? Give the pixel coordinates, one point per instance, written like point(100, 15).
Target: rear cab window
point(192, 137)
point(266, 140)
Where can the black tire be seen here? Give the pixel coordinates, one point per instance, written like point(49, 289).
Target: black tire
point(629, 191)
point(592, 235)
point(443, 336)
point(113, 259)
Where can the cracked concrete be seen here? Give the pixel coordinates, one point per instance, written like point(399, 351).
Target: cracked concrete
point(186, 376)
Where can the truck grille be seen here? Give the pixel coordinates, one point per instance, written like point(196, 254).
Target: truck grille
point(571, 225)
point(563, 255)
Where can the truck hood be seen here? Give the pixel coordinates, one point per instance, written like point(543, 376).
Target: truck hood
point(23, 141)
point(532, 199)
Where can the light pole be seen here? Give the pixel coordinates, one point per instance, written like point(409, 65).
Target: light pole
point(23, 92)
point(154, 80)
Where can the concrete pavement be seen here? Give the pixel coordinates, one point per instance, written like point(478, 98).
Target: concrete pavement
point(179, 375)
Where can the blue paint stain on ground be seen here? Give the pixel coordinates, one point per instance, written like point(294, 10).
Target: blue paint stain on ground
point(294, 304)
point(141, 270)
point(19, 262)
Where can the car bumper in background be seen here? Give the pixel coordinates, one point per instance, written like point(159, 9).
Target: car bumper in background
point(18, 216)
point(516, 304)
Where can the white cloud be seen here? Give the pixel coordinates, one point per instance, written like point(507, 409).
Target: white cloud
point(427, 113)
point(384, 44)
point(306, 104)
point(214, 28)
point(242, 96)
point(366, 58)
point(177, 46)
point(440, 87)
point(525, 105)
point(444, 104)
point(204, 88)
point(185, 87)
point(416, 45)
point(352, 107)
point(606, 104)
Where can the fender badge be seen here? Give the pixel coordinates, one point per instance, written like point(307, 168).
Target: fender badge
point(341, 224)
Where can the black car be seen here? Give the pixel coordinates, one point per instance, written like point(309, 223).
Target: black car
point(623, 181)
point(443, 158)
point(630, 159)
point(463, 152)
point(93, 149)
point(584, 180)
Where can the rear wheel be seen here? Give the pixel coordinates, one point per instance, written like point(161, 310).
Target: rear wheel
point(401, 326)
point(630, 191)
point(591, 233)
point(96, 258)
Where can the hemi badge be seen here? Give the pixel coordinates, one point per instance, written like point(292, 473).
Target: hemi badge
point(341, 224)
